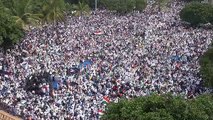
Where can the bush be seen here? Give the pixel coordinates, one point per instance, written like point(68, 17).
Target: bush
point(164, 107)
point(206, 70)
point(197, 13)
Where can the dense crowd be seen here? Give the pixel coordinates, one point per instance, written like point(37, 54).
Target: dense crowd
point(97, 59)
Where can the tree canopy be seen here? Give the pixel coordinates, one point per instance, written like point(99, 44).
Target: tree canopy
point(206, 70)
point(53, 11)
point(197, 13)
point(23, 12)
point(124, 6)
point(161, 107)
point(10, 33)
point(81, 9)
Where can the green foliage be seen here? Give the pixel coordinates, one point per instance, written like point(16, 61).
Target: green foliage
point(124, 6)
point(140, 5)
point(33, 12)
point(69, 8)
point(71, 1)
point(21, 12)
point(197, 13)
point(53, 11)
point(81, 9)
point(7, 3)
point(10, 33)
point(164, 107)
point(91, 3)
point(206, 70)
point(110, 4)
point(36, 6)
point(161, 4)
point(205, 105)
point(192, 0)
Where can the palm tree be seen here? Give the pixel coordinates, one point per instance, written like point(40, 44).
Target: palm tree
point(81, 9)
point(161, 4)
point(54, 12)
point(22, 15)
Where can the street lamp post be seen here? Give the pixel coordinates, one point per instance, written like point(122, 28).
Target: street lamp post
point(96, 2)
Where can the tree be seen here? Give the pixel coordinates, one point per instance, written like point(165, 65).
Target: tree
point(161, 4)
point(197, 13)
point(20, 10)
point(130, 5)
point(204, 104)
point(53, 11)
point(91, 3)
point(7, 3)
point(192, 0)
point(10, 33)
point(206, 69)
point(140, 5)
point(161, 107)
point(36, 6)
point(124, 6)
point(110, 4)
point(81, 9)
point(72, 1)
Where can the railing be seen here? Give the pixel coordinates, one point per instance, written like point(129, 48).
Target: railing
point(7, 116)
point(6, 112)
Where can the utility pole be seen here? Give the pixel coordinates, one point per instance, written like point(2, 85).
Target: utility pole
point(211, 2)
point(96, 2)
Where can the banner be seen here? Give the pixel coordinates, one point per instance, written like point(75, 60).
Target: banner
point(99, 33)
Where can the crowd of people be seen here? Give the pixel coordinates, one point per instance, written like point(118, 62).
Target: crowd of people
point(97, 59)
